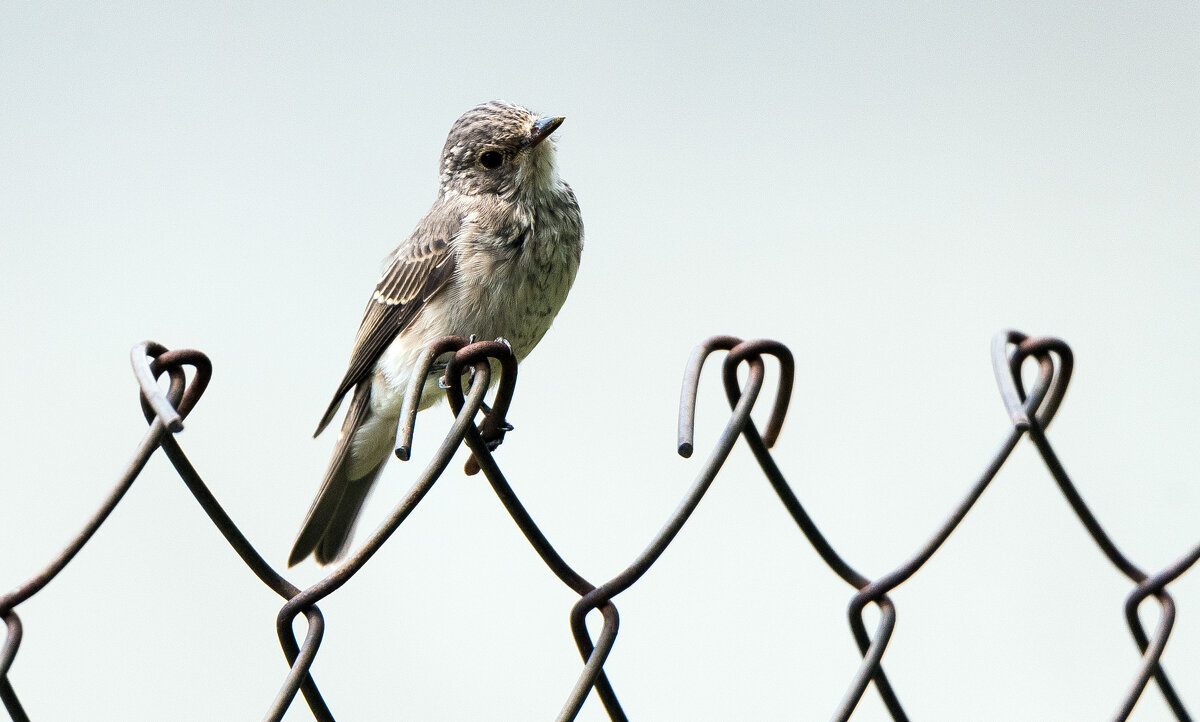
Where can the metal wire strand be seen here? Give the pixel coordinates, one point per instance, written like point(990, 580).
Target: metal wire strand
point(1030, 414)
point(1152, 651)
point(178, 401)
point(808, 527)
point(595, 654)
point(872, 647)
point(343, 573)
point(1024, 348)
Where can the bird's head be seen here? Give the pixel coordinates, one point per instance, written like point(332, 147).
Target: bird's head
point(499, 148)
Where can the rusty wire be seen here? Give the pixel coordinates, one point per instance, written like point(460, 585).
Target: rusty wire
point(1030, 412)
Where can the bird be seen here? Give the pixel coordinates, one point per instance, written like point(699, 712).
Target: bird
point(494, 258)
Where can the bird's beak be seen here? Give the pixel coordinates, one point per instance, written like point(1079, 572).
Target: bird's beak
point(542, 129)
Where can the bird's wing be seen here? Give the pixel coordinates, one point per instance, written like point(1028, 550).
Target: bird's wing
point(416, 271)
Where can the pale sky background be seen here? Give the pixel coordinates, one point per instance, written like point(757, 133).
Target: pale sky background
point(880, 187)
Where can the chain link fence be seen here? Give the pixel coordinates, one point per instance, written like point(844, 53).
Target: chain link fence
point(1030, 410)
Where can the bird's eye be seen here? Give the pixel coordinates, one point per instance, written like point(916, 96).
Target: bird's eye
point(491, 160)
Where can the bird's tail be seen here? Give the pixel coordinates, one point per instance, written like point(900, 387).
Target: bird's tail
point(330, 521)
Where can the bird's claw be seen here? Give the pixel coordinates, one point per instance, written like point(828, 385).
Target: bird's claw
point(472, 466)
point(495, 438)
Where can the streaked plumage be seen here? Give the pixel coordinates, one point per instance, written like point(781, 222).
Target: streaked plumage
point(494, 258)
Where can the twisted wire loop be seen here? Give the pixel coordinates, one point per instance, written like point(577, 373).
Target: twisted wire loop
point(151, 405)
point(1043, 400)
point(165, 413)
point(760, 444)
point(467, 369)
point(300, 657)
point(1151, 649)
point(1030, 413)
point(593, 652)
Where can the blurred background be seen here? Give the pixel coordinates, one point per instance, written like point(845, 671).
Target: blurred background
point(880, 187)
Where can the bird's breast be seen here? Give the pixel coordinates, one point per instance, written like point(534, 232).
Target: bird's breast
point(513, 272)
point(513, 284)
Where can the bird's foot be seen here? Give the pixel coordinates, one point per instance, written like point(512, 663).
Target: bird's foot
point(493, 444)
point(491, 440)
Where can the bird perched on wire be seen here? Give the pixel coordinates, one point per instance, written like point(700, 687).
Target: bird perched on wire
point(493, 258)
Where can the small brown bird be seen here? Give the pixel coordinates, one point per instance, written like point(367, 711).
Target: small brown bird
point(494, 258)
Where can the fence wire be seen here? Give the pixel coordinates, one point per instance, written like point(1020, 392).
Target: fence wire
point(1031, 412)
